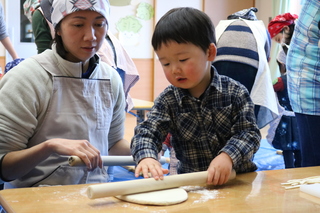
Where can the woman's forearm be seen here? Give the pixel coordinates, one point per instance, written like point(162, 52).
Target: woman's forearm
point(18, 163)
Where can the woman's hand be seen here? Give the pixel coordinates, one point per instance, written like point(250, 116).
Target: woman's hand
point(16, 164)
point(81, 148)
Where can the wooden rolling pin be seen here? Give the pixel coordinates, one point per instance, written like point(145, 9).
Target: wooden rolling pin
point(149, 184)
point(110, 161)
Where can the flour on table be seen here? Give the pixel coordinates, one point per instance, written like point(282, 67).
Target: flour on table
point(206, 194)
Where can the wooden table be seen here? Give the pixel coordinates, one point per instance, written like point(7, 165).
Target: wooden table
point(251, 192)
point(141, 106)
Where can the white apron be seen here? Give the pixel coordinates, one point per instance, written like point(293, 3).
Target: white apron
point(79, 109)
point(262, 92)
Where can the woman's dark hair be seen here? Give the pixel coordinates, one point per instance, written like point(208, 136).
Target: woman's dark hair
point(59, 43)
point(282, 67)
point(184, 25)
point(288, 35)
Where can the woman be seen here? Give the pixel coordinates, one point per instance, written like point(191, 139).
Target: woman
point(303, 65)
point(283, 133)
point(281, 29)
point(111, 51)
point(63, 102)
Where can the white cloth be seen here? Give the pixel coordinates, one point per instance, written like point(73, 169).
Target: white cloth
point(124, 62)
point(262, 92)
point(62, 8)
point(41, 108)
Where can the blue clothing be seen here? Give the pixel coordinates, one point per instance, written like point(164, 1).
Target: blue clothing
point(286, 136)
point(283, 133)
point(230, 49)
point(12, 64)
point(309, 139)
point(221, 120)
point(3, 29)
point(238, 44)
point(282, 94)
point(303, 67)
point(303, 61)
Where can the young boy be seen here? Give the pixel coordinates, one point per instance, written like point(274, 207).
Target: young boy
point(210, 117)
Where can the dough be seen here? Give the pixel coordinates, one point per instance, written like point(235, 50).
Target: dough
point(160, 198)
point(296, 183)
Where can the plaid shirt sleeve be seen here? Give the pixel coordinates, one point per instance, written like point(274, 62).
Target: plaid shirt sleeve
point(245, 139)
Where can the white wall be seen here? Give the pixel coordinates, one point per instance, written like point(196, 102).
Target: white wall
point(2, 49)
point(13, 20)
point(264, 13)
point(265, 9)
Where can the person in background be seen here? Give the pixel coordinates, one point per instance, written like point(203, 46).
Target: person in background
point(42, 29)
point(303, 67)
point(283, 133)
point(243, 51)
point(174, 162)
point(63, 102)
point(281, 29)
point(210, 117)
point(29, 7)
point(111, 51)
point(4, 37)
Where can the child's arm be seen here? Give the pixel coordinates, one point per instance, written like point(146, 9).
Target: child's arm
point(245, 136)
point(220, 169)
point(151, 165)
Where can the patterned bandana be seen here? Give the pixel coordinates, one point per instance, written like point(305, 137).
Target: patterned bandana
point(249, 14)
point(276, 25)
point(29, 6)
point(62, 8)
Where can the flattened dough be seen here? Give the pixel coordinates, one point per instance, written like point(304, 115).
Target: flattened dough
point(160, 198)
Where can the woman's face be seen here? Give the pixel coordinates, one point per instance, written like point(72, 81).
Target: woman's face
point(278, 38)
point(282, 36)
point(82, 34)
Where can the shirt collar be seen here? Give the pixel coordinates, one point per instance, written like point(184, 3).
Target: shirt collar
point(74, 69)
point(215, 84)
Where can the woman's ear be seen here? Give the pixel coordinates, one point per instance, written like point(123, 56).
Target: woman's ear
point(58, 31)
point(286, 29)
point(212, 52)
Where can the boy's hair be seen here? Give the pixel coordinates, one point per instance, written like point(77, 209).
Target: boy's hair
point(184, 25)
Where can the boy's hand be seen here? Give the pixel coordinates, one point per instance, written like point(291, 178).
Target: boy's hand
point(219, 170)
point(151, 165)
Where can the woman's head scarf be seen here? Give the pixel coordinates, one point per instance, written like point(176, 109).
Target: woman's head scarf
point(29, 6)
point(248, 14)
point(61, 8)
point(276, 25)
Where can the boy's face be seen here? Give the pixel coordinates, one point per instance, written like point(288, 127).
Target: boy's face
point(187, 66)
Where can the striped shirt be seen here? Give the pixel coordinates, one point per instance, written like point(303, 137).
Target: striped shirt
point(238, 44)
point(222, 120)
point(303, 61)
